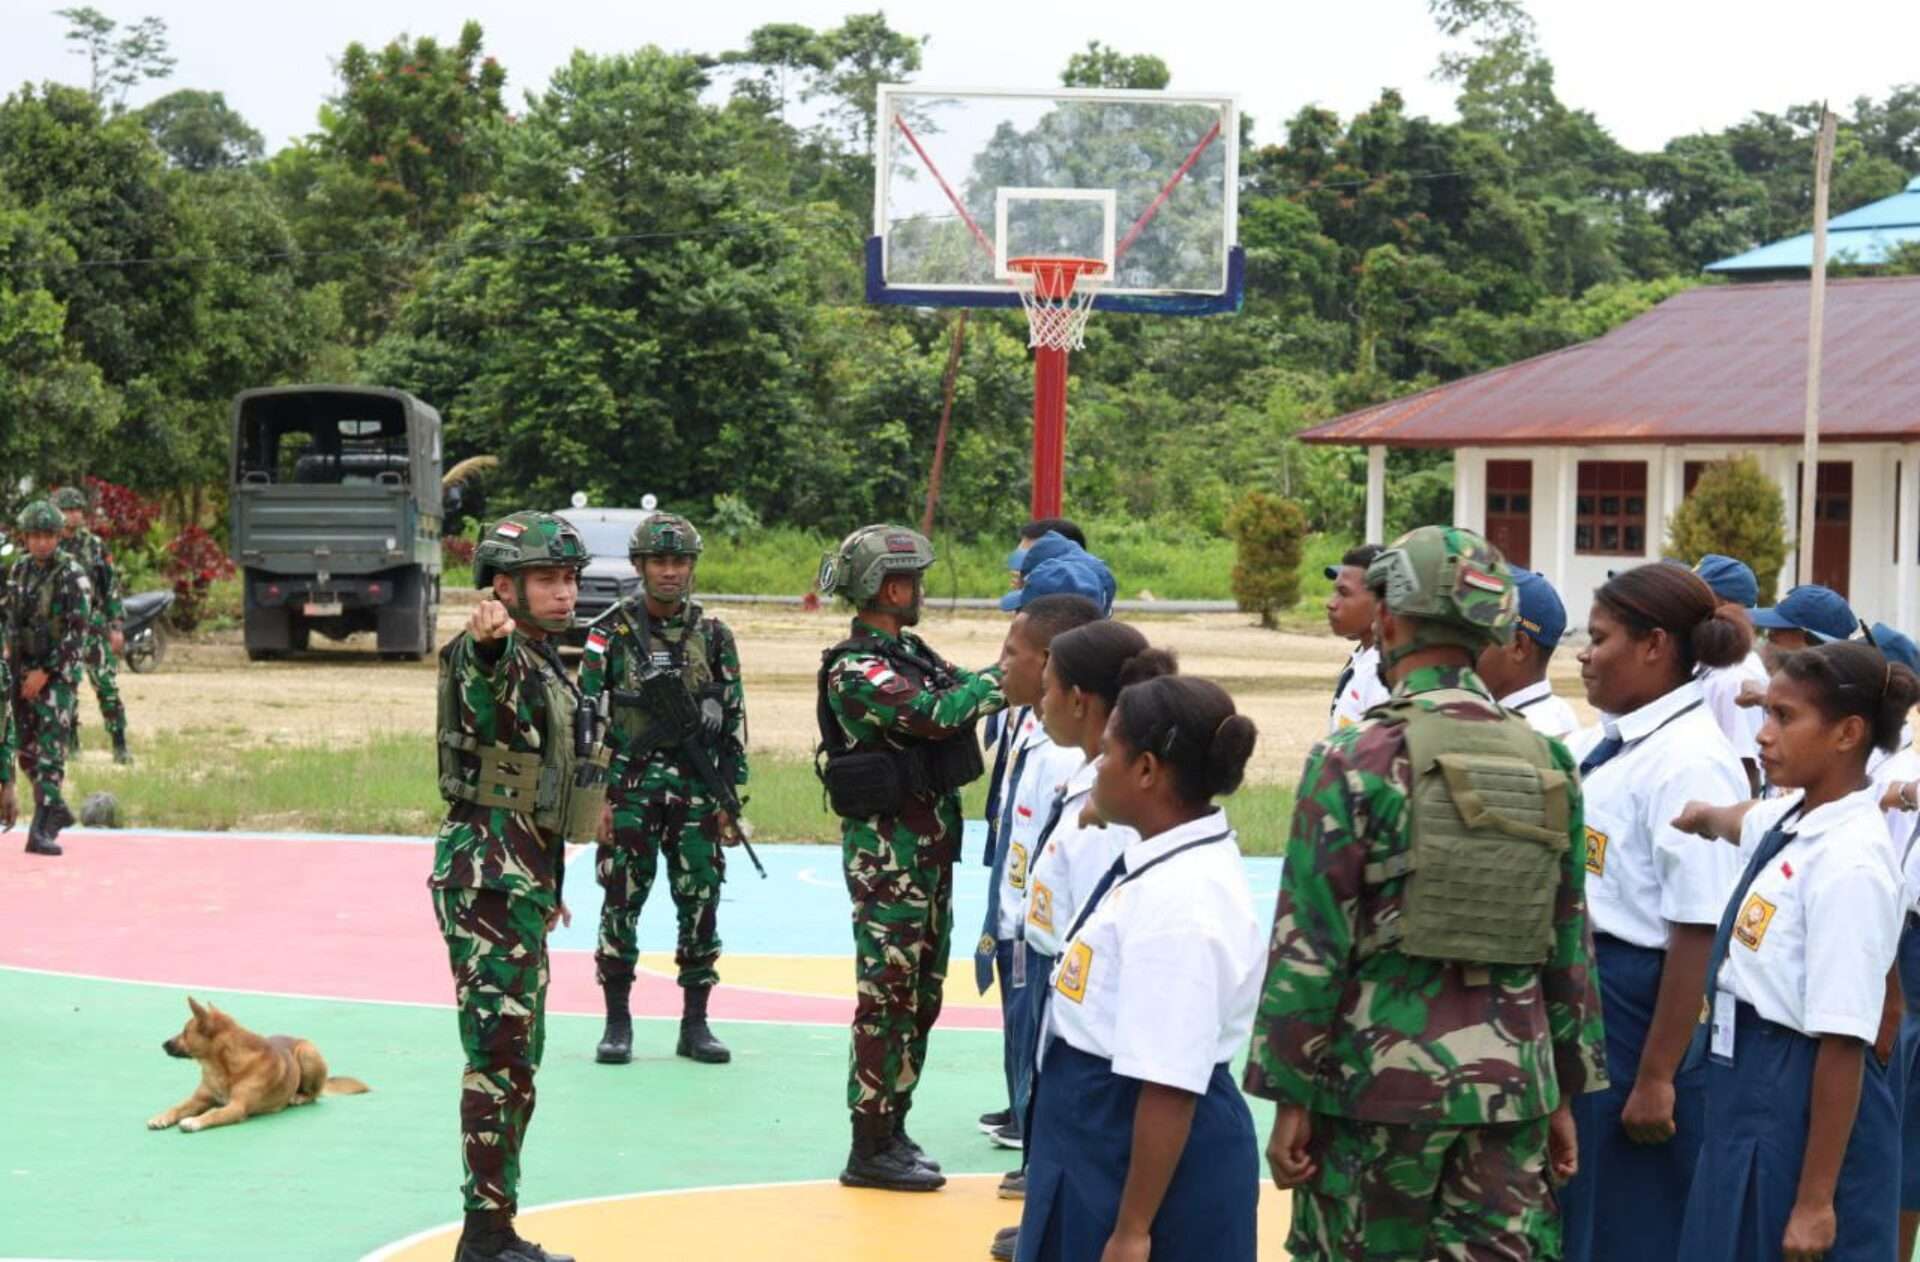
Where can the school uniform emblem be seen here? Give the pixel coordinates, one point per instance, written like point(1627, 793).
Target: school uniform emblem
point(1596, 852)
point(1751, 927)
point(1017, 866)
point(1073, 972)
point(1040, 907)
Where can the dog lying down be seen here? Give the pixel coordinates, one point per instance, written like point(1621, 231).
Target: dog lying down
point(243, 1075)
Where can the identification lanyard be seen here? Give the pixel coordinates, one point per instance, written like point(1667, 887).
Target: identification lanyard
point(1117, 875)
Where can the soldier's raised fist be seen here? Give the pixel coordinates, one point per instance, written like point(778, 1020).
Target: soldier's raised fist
point(490, 621)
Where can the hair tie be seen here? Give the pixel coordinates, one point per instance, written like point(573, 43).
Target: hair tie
point(1166, 742)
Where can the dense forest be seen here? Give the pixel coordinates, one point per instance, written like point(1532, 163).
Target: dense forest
point(646, 275)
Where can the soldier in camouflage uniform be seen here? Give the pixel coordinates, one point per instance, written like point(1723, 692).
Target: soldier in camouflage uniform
point(47, 608)
point(105, 639)
point(660, 798)
point(897, 732)
point(1424, 1047)
point(506, 714)
point(9, 798)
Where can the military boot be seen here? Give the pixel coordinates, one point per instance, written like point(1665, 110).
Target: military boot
point(906, 1141)
point(487, 1236)
point(696, 1040)
point(39, 840)
point(121, 754)
point(616, 1041)
point(528, 1251)
point(877, 1161)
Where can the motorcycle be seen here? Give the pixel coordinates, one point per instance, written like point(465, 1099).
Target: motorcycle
point(145, 631)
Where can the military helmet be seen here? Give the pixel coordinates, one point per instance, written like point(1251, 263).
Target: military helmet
point(1451, 579)
point(664, 534)
point(41, 517)
point(868, 556)
point(70, 497)
point(526, 541)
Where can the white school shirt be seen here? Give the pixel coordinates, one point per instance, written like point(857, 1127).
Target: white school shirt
point(1070, 863)
point(1164, 977)
point(1720, 685)
point(1900, 767)
point(1548, 714)
point(1359, 690)
point(1818, 929)
point(1642, 872)
point(1043, 779)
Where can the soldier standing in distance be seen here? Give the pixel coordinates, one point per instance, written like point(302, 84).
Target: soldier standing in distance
point(9, 798)
point(897, 732)
point(1424, 1053)
point(105, 639)
point(46, 601)
point(662, 796)
point(506, 728)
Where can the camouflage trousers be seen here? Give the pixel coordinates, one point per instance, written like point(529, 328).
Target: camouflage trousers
point(902, 933)
point(44, 726)
point(497, 946)
point(684, 828)
point(103, 672)
point(1461, 1194)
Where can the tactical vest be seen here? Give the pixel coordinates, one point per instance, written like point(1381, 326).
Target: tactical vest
point(560, 789)
point(640, 730)
point(863, 781)
point(1487, 826)
point(34, 636)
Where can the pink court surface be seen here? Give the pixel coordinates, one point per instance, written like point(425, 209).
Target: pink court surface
point(332, 939)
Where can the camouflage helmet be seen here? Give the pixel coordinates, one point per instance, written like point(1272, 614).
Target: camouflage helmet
point(1453, 581)
point(526, 541)
point(867, 557)
point(70, 497)
point(41, 517)
point(664, 534)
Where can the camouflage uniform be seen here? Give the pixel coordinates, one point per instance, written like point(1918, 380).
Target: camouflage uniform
point(48, 605)
point(1429, 1081)
point(496, 887)
point(107, 615)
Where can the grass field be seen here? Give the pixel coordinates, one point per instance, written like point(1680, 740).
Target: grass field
point(387, 785)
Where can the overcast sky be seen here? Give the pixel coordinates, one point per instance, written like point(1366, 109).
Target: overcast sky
point(1648, 69)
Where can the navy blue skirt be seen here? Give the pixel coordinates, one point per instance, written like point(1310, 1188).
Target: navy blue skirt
point(1749, 1172)
point(1906, 1067)
point(1627, 1202)
point(1077, 1156)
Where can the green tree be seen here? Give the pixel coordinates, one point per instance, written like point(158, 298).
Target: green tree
point(115, 65)
point(199, 131)
point(1267, 534)
point(1735, 510)
point(1102, 66)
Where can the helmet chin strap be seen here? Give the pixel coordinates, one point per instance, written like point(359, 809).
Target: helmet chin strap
point(685, 595)
point(521, 612)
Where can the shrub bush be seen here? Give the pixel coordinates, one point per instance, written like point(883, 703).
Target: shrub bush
point(1267, 533)
point(1735, 510)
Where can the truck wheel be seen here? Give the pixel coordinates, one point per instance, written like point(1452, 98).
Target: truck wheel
point(299, 633)
point(421, 626)
point(264, 655)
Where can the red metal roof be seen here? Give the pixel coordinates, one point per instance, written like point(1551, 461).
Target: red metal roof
point(1723, 363)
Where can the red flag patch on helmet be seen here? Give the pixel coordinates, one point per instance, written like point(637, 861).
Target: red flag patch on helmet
point(1482, 580)
point(901, 543)
point(511, 529)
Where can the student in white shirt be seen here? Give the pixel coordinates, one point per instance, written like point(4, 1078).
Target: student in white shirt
point(1654, 895)
point(1734, 581)
point(1036, 769)
point(1350, 614)
point(1516, 672)
point(1803, 1159)
point(1142, 1143)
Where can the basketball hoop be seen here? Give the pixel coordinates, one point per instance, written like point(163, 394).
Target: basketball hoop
point(1058, 294)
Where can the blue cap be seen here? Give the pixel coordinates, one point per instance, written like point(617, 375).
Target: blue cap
point(1896, 646)
point(1819, 611)
point(1542, 616)
point(1047, 547)
point(1731, 580)
point(1081, 574)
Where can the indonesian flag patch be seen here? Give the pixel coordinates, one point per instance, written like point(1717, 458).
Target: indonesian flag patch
point(1482, 580)
point(597, 642)
point(878, 675)
point(511, 529)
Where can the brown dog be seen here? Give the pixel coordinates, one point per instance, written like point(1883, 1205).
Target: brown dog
point(243, 1075)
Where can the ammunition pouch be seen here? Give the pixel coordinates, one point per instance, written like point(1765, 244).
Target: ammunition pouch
point(865, 781)
point(1487, 825)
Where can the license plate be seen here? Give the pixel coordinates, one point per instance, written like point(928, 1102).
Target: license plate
point(323, 609)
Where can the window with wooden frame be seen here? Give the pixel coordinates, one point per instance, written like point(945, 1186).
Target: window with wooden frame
point(1610, 508)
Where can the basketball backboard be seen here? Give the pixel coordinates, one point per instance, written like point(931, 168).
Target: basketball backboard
point(1145, 182)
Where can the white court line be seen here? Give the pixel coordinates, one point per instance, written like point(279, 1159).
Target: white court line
point(386, 1252)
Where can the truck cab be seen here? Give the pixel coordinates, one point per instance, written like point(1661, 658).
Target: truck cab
point(336, 517)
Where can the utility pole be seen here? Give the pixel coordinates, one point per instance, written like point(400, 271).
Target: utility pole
point(1816, 323)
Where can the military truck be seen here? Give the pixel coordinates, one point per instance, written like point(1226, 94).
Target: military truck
point(336, 517)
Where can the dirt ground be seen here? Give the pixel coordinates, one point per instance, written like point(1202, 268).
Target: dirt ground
point(343, 693)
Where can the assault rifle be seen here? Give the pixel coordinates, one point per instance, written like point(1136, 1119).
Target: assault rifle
point(664, 698)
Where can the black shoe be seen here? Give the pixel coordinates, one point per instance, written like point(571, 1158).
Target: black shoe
point(121, 754)
point(39, 840)
point(1006, 1242)
point(616, 1041)
point(878, 1161)
point(59, 816)
point(528, 1251)
point(903, 1143)
point(487, 1236)
point(1008, 1136)
point(1014, 1186)
point(696, 1040)
point(991, 1122)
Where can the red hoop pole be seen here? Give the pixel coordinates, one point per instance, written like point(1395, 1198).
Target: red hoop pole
point(1049, 431)
point(946, 188)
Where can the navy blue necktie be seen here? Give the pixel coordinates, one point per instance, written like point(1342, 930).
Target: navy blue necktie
point(989, 929)
point(1769, 849)
point(1004, 740)
point(1600, 754)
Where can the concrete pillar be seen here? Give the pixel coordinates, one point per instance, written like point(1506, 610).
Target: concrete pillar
point(1376, 495)
point(1562, 464)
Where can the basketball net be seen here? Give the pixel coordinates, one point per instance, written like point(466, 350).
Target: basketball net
point(1057, 294)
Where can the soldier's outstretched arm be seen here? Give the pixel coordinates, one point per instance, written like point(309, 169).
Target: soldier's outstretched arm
point(1570, 982)
point(868, 687)
point(1311, 957)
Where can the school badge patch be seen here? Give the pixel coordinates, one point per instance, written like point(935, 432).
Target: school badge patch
point(1040, 907)
point(1017, 866)
point(1751, 927)
point(1073, 972)
point(1596, 852)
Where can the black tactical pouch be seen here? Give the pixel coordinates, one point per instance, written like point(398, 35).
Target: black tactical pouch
point(862, 785)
